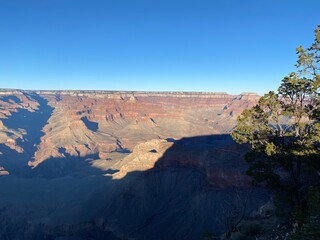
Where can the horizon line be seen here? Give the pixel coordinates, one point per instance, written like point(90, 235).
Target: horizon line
point(122, 91)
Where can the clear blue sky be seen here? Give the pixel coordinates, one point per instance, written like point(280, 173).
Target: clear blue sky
point(160, 45)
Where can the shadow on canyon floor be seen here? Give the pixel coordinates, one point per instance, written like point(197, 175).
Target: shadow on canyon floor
point(11, 99)
point(92, 126)
point(32, 123)
point(68, 166)
point(192, 189)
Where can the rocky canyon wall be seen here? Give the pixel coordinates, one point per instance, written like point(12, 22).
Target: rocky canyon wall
point(140, 165)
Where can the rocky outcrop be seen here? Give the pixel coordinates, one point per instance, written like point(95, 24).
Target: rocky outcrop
point(11, 101)
point(217, 157)
point(143, 158)
point(23, 115)
point(3, 172)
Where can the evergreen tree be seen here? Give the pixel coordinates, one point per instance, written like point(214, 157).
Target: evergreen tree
point(283, 130)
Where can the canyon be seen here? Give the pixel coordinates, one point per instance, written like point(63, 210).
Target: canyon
point(120, 165)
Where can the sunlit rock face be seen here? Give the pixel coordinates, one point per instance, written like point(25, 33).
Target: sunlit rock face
point(120, 164)
point(103, 122)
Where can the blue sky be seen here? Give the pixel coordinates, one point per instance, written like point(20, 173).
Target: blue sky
point(159, 45)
